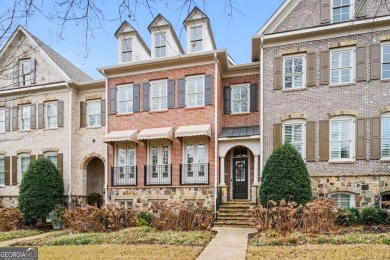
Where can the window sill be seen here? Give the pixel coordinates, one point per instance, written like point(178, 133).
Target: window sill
point(197, 107)
point(124, 114)
point(342, 162)
point(294, 89)
point(2, 186)
point(240, 114)
point(94, 127)
point(24, 131)
point(385, 80)
point(49, 129)
point(343, 85)
point(158, 111)
point(384, 160)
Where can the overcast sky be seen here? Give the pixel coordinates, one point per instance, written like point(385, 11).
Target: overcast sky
point(231, 33)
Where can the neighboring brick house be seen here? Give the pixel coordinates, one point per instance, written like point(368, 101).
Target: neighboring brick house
point(169, 110)
point(326, 79)
point(40, 95)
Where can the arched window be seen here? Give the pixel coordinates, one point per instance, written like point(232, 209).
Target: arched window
point(343, 199)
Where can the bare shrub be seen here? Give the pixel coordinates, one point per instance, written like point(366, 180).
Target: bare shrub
point(316, 217)
point(10, 218)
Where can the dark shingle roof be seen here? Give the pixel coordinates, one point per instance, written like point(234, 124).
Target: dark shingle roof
point(228, 132)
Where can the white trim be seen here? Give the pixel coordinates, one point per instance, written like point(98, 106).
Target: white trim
point(387, 44)
point(304, 60)
point(353, 65)
point(351, 137)
point(387, 116)
point(239, 138)
point(127, 100)
point(352, 203)
point(151, 96)
point(292, 123)
point(186, 92)
point(97, 101)
point(248, 98)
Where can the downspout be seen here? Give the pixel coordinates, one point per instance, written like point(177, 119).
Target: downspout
point(215, 131)
point(70, 147)
point(105, 145)
point(261, 107)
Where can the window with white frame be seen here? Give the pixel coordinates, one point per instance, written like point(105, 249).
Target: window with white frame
point(125, 170)
point(294, 134)
point(385, 136)
point(124, 203)
point(125, 99)
point(195, 161)
point(127, 50)
point(196, 38)
point(158, 95)
point(94, 108)
point(240, 99)
point(2, 171)
point(52, 156)
point(159, 160)
point(126, 155)
point(2, 120)
point(342, 66)
point(294, 71)
point(26, 68)
point(160, 45)
point(51, 114)
point(386, 61)
point(343, 199)
point(195, 91)
point(24, 161)
point(342, 136)
point(342, 10)
point(25, 117)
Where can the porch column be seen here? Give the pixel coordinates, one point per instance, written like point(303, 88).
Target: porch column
point(256, 175)
point(222, 171)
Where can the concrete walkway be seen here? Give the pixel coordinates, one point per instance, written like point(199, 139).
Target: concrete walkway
point(23, 239)
point(229, 243)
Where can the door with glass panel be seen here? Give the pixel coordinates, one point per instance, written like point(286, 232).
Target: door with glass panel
point(125, 172)
point(195, 167)
point(240, 178)
point(158, 169)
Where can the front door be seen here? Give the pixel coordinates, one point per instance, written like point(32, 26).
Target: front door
point(240, 178)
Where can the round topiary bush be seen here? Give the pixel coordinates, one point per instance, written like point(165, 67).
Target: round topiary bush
point(285, 176)
point(42, 188)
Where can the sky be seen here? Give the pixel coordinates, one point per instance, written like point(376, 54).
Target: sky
point(230, 32)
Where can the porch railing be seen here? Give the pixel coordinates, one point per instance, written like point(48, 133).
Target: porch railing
point(196, 173)
point(158, 174)
point(124, 176)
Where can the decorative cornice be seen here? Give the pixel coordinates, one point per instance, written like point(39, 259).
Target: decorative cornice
point(293, 116)
point(50, 149)
point(343, 112)
point(342, 44)
point(23, 151)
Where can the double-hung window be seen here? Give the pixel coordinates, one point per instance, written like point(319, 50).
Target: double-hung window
point(125, 99)
point(195, 91)
point(51, 112)
point(24, 161)
point(124, 172)
point(294, 134)
point(158, 97)
point(343, 200)
point(2, 120)
point(127, 50)
point(161, 45)
point(196, 38)
point(94, 112)
point(386, 61)
point(293, 69)
point(385, 136)
point(195, 166)
point(25, 117)
point(342, 10)
point(52, 156)
point(342, 145)
point(240, 99)
point(342, 66)
point(2, 171)
point(25, 70)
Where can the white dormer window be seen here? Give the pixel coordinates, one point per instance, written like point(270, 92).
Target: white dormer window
point(161, 45)
point(127, 50)
point(196, 39)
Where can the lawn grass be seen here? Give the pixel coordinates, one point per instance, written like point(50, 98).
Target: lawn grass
point(331, 252)
point(105, 251)
point(130, 236)
point(4, 236)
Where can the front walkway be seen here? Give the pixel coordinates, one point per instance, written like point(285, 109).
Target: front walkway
point(229, 243)
point(24, 239)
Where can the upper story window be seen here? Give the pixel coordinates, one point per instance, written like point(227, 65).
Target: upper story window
point(51, 114)
point(342, 136)
point(127, 50)
point(26, 70)
point(385, 136)
point(52, 156)
point(2, 120)
point(293, 69)
point(94, 108)
point(196, 39)
point(158, 95)
point(343, 200)
point(2, 171)
point(342, 66)
point(195, 91)
point(341, 10)
point(125, 99)
point(160, 45)
point(240, 99)
point(294, 133)
point(386, 61)
point(25, 117)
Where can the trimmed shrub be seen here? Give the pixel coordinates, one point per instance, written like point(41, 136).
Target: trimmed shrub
point(10, 218)
point(373, 215)
point(285, 176)
point(95, 199)
point(143, 219)
point(348, 217)
point(42, 188)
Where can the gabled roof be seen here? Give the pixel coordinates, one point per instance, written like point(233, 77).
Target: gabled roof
point(125, 29)
point(161, 23)
point(62, 65)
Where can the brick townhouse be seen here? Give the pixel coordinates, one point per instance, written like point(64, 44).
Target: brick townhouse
point(326, 82)
point(180, 124)
point(40, 97)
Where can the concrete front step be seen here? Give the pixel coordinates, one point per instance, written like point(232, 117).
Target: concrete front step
point(233, 219)
point(234, 214)
point(232, 210)
point(231, 224)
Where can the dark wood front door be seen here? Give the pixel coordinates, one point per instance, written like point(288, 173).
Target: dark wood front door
point(240, 178)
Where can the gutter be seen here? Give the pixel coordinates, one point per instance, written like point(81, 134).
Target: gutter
point(215, 132)
point(106, 147)
point(261, 107)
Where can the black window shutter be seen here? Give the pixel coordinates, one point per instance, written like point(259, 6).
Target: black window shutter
point(227, 99)
point(7, 120)
point(113, 101)
point(60, 120)
point(171, 93)
point(208, 80)
point(103, 112)
point(40, 116)
point(145, 96)
point(182, 92)
point(136, 98)
point(253, 97)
